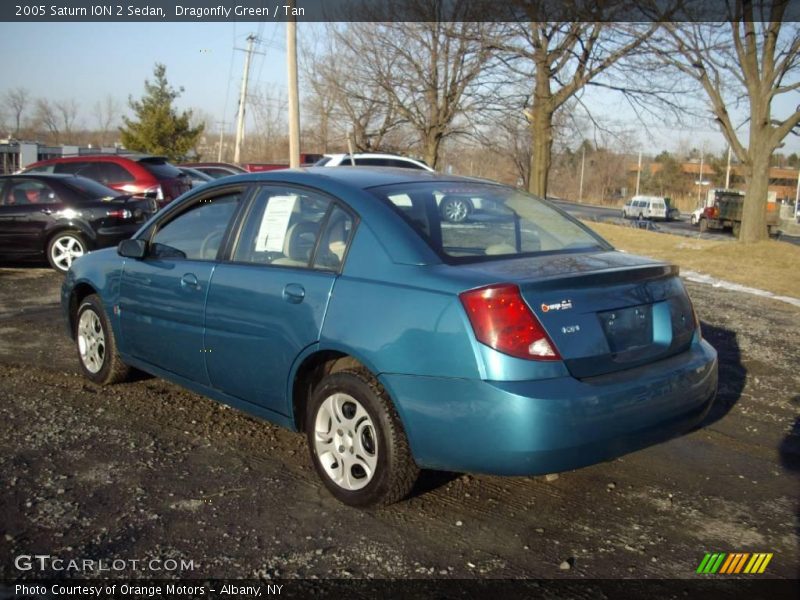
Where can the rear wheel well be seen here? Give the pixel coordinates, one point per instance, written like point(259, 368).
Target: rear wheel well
point(81, 291)
point(310, 373)
point(64, 228)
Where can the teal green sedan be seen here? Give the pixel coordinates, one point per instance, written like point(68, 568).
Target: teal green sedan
point(343, 304)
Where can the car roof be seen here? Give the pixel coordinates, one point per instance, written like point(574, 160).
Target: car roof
point(104, 157)
point(370, 155)
point(358, 177)
point(54, 176)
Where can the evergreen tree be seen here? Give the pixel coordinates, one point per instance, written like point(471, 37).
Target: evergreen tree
point(157, 127)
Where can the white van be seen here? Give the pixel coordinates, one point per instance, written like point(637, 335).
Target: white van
point(648, 207)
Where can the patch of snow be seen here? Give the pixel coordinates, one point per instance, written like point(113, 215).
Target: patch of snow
point(736, 287)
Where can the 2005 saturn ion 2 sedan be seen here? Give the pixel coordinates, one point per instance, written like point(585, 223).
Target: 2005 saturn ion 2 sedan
point(341, 304)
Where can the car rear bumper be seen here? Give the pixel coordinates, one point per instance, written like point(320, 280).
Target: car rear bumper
point(537, 427)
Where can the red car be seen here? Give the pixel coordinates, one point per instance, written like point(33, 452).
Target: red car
point(135, 174)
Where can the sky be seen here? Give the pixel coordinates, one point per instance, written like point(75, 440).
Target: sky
point(88, 61)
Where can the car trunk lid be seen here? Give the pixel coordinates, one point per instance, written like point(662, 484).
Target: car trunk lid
point(605, 311)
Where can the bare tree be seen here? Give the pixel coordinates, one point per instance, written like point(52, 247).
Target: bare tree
point(107, 113)
point(561, 59)
point(68, 111)
point(269, 109)
point(429, 71)
point(17, 101)
point(347, 100)
point(752, 59)
point(47, 116)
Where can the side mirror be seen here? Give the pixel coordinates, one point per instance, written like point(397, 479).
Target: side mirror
point(132, 248)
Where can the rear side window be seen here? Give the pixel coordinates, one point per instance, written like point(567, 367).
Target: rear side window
point(404, 165)
point(333, 241)
point(369, 162)
point(108, 172)
point(292, 227)
point(41, 169)
point(89, 188)
point(71, 168)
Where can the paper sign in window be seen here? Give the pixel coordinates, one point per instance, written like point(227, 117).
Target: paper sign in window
point(274, 223)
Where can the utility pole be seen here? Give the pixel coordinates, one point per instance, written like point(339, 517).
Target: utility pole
point(221, 138)
point(797, 196)
point(294, 99)
point(251, 39)
point(728, 171)
point(639, 173)
point(700, 181)
point(583, 162)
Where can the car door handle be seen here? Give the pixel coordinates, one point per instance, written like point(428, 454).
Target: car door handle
point(294, 293)
point(46, 211)
point(189, 280)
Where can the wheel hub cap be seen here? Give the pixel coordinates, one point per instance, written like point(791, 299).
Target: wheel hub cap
point(91, 341)
point(344, 441)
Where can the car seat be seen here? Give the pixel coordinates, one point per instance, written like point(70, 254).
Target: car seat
point(299, 243)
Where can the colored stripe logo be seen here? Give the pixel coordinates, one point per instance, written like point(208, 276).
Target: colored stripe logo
point(734, 563)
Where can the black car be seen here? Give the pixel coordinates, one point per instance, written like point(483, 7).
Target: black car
point(64, 217)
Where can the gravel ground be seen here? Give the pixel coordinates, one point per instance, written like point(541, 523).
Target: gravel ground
point(146, 470)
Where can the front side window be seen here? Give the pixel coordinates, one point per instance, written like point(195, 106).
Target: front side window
point(21, 193)
point(504, 223)
point(196, 233)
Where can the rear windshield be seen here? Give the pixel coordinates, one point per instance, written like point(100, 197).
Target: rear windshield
point(471, 222)
point(160, 168)
point(90, 188)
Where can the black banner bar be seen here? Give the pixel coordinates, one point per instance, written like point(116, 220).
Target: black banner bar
point(383, 10)
point(745, 588)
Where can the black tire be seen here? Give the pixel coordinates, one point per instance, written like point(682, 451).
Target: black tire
point(381, 433)
point(703, 225)
point(99, 360)
point(64, 247)
point(455, 210)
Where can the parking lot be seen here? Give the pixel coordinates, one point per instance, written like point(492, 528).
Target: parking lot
point(147, 470)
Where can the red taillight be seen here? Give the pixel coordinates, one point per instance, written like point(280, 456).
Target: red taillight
point(502, 320)
point(122, 213)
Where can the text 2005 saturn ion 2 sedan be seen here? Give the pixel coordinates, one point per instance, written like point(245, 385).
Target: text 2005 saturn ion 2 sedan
point(338, 303)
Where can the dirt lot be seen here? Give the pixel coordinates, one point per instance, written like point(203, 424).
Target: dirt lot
point(147, 470)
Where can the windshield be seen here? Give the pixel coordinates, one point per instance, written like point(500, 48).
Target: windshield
point(90, 188)
point(467, 221)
